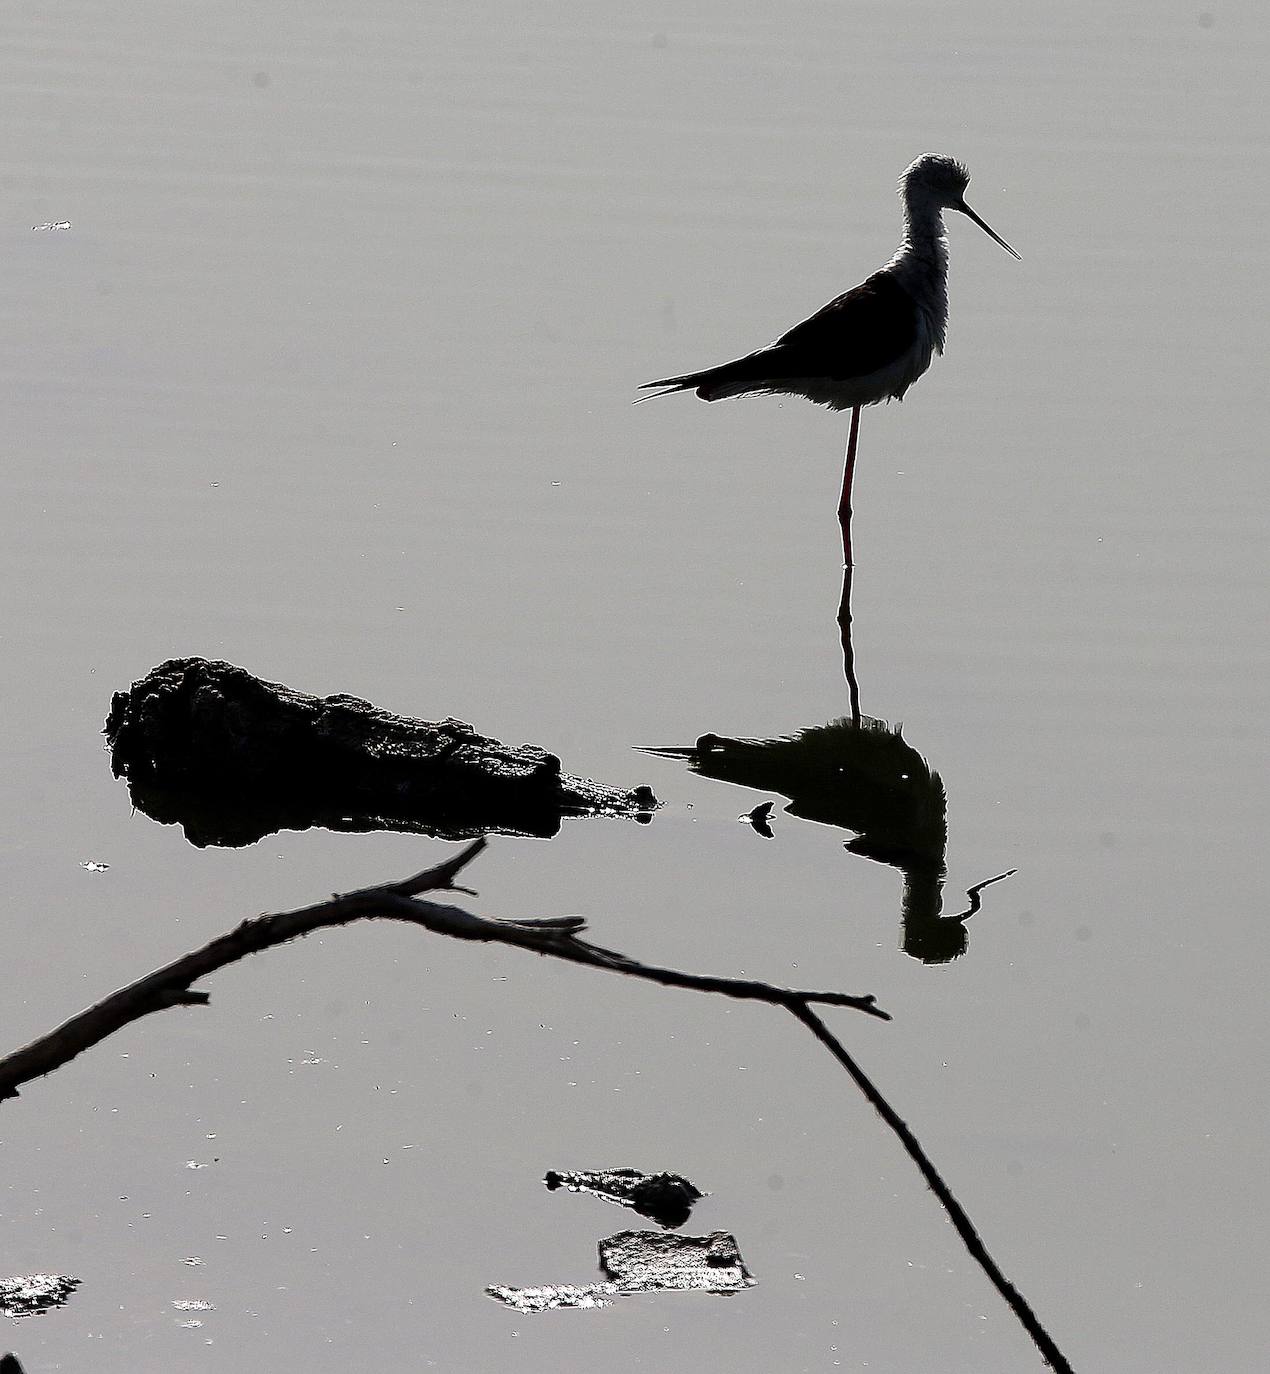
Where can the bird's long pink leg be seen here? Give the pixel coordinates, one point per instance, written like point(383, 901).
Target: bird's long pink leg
point(844, 502)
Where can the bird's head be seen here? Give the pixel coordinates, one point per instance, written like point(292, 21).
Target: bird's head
point(934, 183)
point(936, 178)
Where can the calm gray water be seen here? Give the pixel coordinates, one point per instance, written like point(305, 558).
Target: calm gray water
point(330, 376)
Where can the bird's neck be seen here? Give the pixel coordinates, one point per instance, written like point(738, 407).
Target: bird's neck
point(920, 265)
point(924, 234)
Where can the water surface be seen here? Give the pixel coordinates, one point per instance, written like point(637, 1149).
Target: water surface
point(330, 377)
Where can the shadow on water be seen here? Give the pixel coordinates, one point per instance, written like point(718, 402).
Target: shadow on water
point(858, 773)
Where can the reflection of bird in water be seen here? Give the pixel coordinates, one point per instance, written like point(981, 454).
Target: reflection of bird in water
point(871, 343)
point(865, 778)
point(844, 634)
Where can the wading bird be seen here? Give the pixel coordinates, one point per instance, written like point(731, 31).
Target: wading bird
point(871, 343)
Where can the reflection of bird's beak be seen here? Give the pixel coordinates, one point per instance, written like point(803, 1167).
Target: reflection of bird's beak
point(986, 227)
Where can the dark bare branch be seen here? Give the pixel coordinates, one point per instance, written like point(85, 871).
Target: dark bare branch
point(556, 936)
point(965, 1228)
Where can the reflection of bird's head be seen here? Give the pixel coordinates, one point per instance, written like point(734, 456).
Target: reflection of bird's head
point(860, 776)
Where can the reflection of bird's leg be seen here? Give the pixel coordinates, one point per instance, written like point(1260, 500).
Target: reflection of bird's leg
point(848, 651)
point(844, 503)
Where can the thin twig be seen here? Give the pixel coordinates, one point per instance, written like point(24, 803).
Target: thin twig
point(1052, 1355)
point(556, 936)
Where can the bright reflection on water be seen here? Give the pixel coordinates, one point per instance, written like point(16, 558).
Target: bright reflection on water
point(330, 377)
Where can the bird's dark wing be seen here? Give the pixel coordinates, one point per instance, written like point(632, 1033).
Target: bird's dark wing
point(856, 334)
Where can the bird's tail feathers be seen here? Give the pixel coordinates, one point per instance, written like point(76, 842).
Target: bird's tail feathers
point(669, 385)
point(714, 383)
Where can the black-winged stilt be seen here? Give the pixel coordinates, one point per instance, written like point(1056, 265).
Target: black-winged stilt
point(871, 343)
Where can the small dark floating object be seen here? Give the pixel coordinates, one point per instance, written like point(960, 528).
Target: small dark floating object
point(643, 1262)
point(232, 758)
point(31, 1295)
point(664, 1198)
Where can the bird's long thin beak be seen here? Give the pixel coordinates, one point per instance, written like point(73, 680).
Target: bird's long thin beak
point(986, 227)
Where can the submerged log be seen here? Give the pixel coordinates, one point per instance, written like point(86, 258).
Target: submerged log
point(232, 758)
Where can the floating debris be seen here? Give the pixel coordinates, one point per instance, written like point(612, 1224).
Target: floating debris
point(232, 758)
point(643, 1262)
point(664, 1198)
point(54, 224)
point(553, 1296)
point(92, 866)
point(29, 1295)
point(651, 1262)
point(192, 1305)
